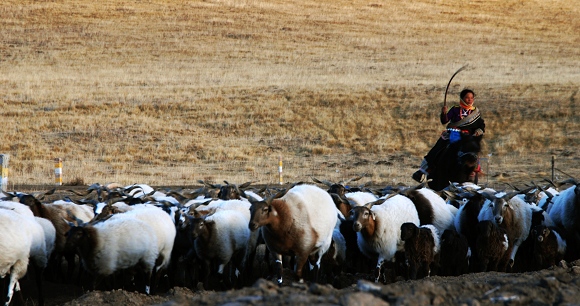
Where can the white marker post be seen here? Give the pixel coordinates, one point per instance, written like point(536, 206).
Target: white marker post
point(4, 171)
point(280, 170)
point(58, 171)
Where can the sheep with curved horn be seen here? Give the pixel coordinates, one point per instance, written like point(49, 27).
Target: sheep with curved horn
point(298, 221)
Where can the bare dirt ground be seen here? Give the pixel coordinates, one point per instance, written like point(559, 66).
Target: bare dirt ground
point(555, 286)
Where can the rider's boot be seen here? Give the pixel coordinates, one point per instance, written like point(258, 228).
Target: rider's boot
point(423, 170)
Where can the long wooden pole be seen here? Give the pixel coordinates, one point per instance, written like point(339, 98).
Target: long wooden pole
point(447, 89)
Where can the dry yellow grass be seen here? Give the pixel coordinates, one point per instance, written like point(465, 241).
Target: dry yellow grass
point(167, 92)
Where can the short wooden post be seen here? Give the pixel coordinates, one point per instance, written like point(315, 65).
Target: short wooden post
point(4, 169)
point(553, 167)
point(58, 171)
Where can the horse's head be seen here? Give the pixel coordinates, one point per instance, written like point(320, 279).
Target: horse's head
point(456, 163)
point(467, 153)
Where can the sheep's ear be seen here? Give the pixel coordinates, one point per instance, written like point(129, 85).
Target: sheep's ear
point(71, 224)
point(195, 213)
point(273, 211)
point(338, 199)
point(373, 215)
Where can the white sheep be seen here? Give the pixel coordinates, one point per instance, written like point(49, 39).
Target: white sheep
point(164, 229)
point(565, 213)
point(242, 206)
point(432, 209)
point(43, 239)
point(378, 227)
point(115, 244)
point(301, 222)
point(15, 245)
point(220, 236)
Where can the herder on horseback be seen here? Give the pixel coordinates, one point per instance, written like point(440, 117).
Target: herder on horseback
point(462, 120)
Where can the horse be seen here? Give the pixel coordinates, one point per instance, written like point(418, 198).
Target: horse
point(456, 163)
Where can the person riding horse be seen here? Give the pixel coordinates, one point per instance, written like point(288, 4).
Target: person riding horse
point(462, 120)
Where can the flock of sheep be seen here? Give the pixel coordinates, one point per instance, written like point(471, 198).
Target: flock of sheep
point(136, 236)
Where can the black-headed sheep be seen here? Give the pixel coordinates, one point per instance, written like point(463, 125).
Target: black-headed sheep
point(454, 254)
point(221, 237)
point(378, 227)
point(492, 247)
point(115, 244)
point(421, 248)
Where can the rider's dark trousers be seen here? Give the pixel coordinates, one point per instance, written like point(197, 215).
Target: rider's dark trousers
point(433, 154)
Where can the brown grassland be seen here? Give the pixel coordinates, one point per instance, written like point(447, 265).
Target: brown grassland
point(167, 92)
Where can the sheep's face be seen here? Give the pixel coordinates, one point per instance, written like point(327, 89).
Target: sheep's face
point(541, 233)
point(73, 236)
point(260, 214)
point(338, 189)
point(532, 196)
point(198, 227)
point(229, 192)
point(80, 238)
point(183, 221)
point(408, 230)
point(500, 209)
point(362, 216)
point(105, 212)
point(342, 204)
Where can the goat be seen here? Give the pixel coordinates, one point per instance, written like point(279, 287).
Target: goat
point(511, 213)
point(117, 243)
point(466, 221)
point(57, 213)
point(454, 254)
point(220, 236)
point(15, 246)
point(421, 248)
point(492, 247)
point(378, 227)
point(431, 207)
point(241, 206)
point(549, 247)
point(298, 221)
point(565, 213)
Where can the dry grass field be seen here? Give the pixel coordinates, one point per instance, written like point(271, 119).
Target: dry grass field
point(167, 92)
